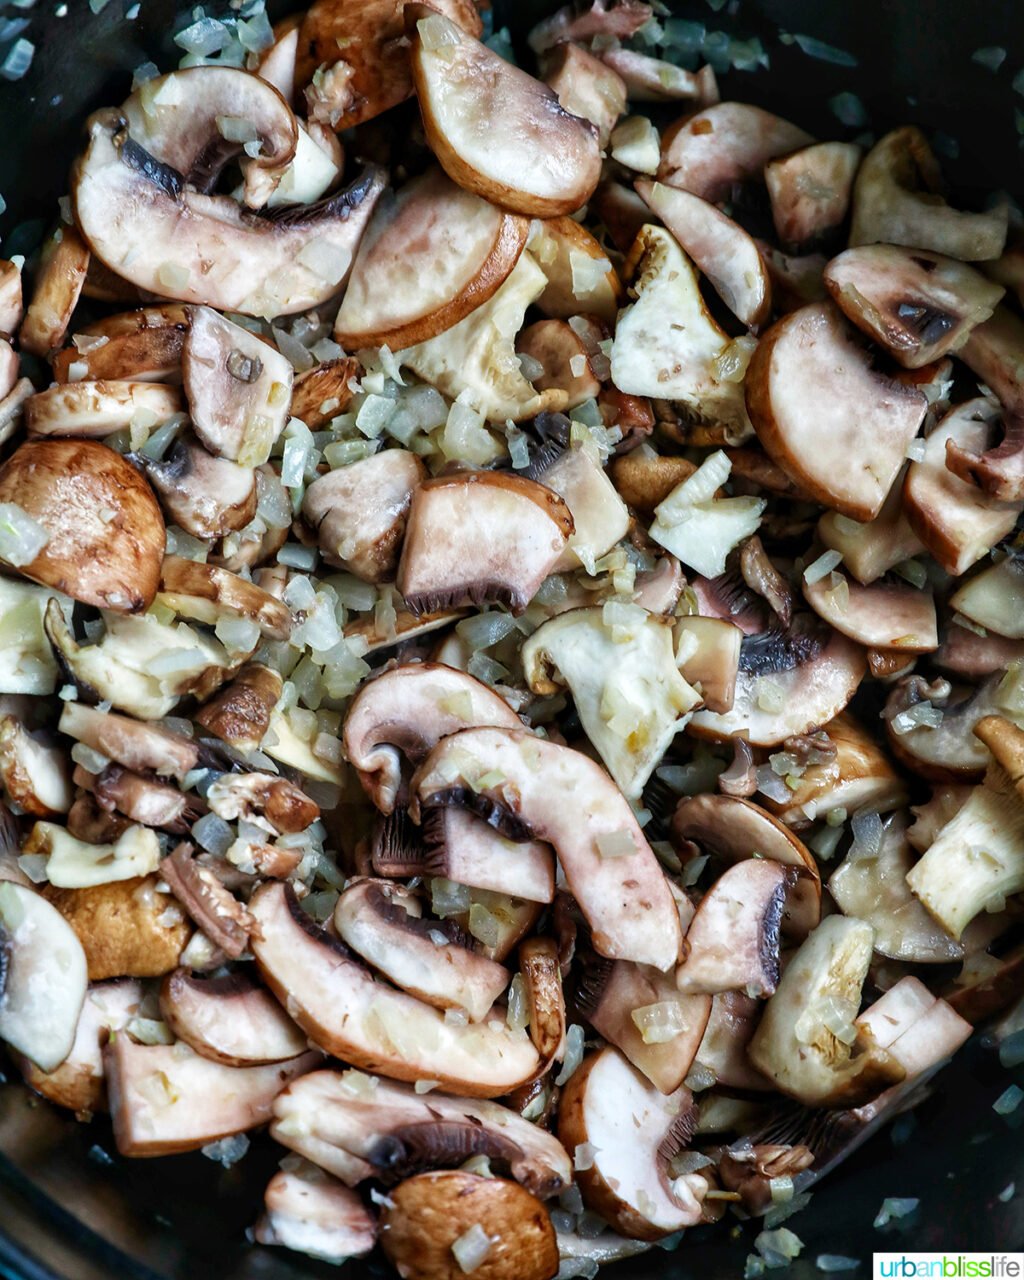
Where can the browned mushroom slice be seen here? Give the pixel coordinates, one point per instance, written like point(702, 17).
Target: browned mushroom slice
point(710, 661)
point(650, 79)
point(834, 423)
point(994, 598)
point(104, 531)
point(383, 923)
point(580, 277)
point(810, 190)
point(725, 144)
point(955, 520)
point(723, 1049)
point(141, 346)
point(145, 224)
point(545, 1000)
point(480, 537)
point(375, 635)
point(1006, 742)
point(240, 713)
point(620, 19)
point(644, 480)
point(229, 1019)
point(11, 407)
point(413, 278)
point(875, 547)
point(220, 915)
point(463, 848)
point(275, 804)
point(518, 783)
point(470, 96)
point(586, 87)
point(662, 1039)
point(11, 302)
point(57, 289)
point(165, 1098)
point(142, 799)
point(137, 746)
point(720, 247)
point(658, 590)
point(563, 358)
point(918, 305)
point(308, 1211)
point(939, 742)
point(32, 773)
point(886, 615)
point(633, 1132)
point(205, 496)
point(208, 594)
point(895, 200)
point(97, 409)
point(622, 212)
point(321, 393)
point(343, 1010)
point(599, 515)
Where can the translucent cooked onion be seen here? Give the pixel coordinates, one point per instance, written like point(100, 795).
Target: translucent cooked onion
point(21, 536)
point(448, 898)
point(822, 567)
point(573, 1054)
point(517, 1015)
point(616, 844)
point(659, 1022)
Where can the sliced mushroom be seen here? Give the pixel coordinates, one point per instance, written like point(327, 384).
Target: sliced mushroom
point(73, 864)
point(875, 547)
point(587, 87)
point(709, 661)
point(321, 393)
point(338, 1004)
point(807, 1041)
point(208, 594)
point(43, 970)
point(57, 289)
point(97, 409)
point(709, 153)
point(599, 515)
point(414, 277)
point(723, 1049)
point(315, 168)
point(220, 915)
point(469, 97)
point(11, 304)
point(463, 848)
point(562, 356)
point(955, 520)
point(136, 346)
point(144, 223)
point(994, 598)
point(308, 1211)
point(947, 751)
point(165, 1098)
point(240, 713)
point(836, 425)
point(105, 532)
point(658, 590)
point(205, 496)
point(886, 615)
point(33, 774)
point(1005, 740)
point(654, 80)
point(723, 251)
point(93, 824)
point(139, 747)
point(620, 19)
point(810, 190)
point(11, 407)
point(895, 200)
point(143, 800)
point(407, 626)
point(580, 278)
point(930, 817)
point(517, 782)
point(625, 684)
point(295, 749)
point(540, 971)
point(621, 211)
point(634, 1131)
point(275, 804)
point(229, 1019)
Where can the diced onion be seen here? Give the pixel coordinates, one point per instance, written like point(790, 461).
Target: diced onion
point(660, 1022)
point(22, 537)
point(573, 1054)
point(822, 567)
point(615, 844)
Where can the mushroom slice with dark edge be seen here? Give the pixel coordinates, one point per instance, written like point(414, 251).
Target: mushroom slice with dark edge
point(545, 1000)
point(1005, 740)
point(275, 804)
point(104, 532)
point(97, 409)
point(599, 516)
point(723, 251)
point(942, 747)
point(407, 711)
point(138, 746)
point(480, 537)
point(165, 1098)
point(142, 346)
point(33, 773)
point(216, 911)
point(723, 1048)
point(142, 799)
point(624, 681)
point(231, 1019)
point(356, 1128)
point(918, 305)
point(238, 388)
point(733, 940)
point(662, 1039)
point(957, 522)
point(834, 424)
point(710, 661)
point(518, 782)
point(377, 635)
point(463, 848)
point(145, 224)
point(885, 615)
point(430, 256)
point(58, 286)
point(875, 547)
point(654, 80)
point(209, 594)
point(360, 511)
point(239, 713)
point(735, 830)
point(994, 598)
point(586, 86)
point(321, 393)
point(810, 191)
point(42, 977)
point(440, 1225)
point(581, 281)
point(488, 123)
point(807, 1042)
point(559, 350)
point(205, 496)
point(713, 151)
point(344, 1011)
point(870, 884)
point(384, 925)
point(634, 1132)
point(312, 1213)
point(895, 200)
point(621, 19)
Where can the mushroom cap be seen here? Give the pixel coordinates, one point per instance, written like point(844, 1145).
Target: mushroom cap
point(586, 86)
point(203, 495)
point(106, 531)
point(885, 615)
point(240, 712)
point(580, 277)
point(231, 1019)
point(142, 345)
point(309, 1211)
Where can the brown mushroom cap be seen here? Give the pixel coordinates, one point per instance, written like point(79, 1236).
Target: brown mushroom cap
point(586, 86)
point(106, 531)
point(142, 345)
point(230, 1019)
point(56, 293)
point(240, 712)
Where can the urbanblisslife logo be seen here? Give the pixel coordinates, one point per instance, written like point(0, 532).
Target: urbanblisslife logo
point(948, 1266)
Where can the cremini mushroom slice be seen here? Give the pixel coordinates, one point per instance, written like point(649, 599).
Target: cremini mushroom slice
point(620, 20)
point(55, 295)
point(469, 97)
point(650, 79)
point(872, 548)
point(643, 480)
point(208, 594)
point(796, 279)
point(33, 773)
point(101, 533)
point(462, 848)
point(97, 409)
point(541, 974)
point(165, 1098)
point(634, 1132)
point(9, 366)
point(383, 923)
point(312, 1213)
point(144, 223)
point(599, 515)
point(516, 781)
point(896, 200)
point(74, 864)
point(580, 277)
point(375, 634)
point(480, 537)
point(885, 615)
point(321, 393)
point(938, 741)
point(440, 1225)
point(221, 916)
point(44, 977)
point(205, 496)
point(708, 653)
point(586, 87)
point(344, 1011)
point(11, 301)
point(994, 598)
point(1005, 740)
point(723, 1048)
point(230, 1019)
point(295, 749)
point(310, 174)
point(619, 664)
point(563, 358)
point(836, 425)
point(275, 804)
point(141, 799)
point(134, 346)
point(239, 713)
point(810, 191)
point(360, 511)
point(957, 522)
point(726, 144)
point(807, 1042)
point(358, 1127)
point(431, 255)
point(918, 305)
point(722, 250)
point(138, 746)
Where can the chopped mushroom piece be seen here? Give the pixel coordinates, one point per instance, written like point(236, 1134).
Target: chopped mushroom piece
point(57, 289)
point(994, 598)
point(240, 712)
point(708, 653)
point(942, 745)
point(275, 804)
point(230, 1019)
point(34, 775)
point(141, 799)
point(619, 19)
point(540, 971)
point(137, 746)
point(872, 548)
point(654, 80)
point(220, 915)
point(723, 1049)
point(209, 594)
point(205, 496)
point(321, 393)
point(11, 304)
point(581, 280)
point(886, 615)
point(141, 346)
point(97, 409)
point(810, 190)
point(586, 87)
point(563, 358)
point(599, 515)
point(461, 847)
point(310, 1212)
point(1006, 742)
